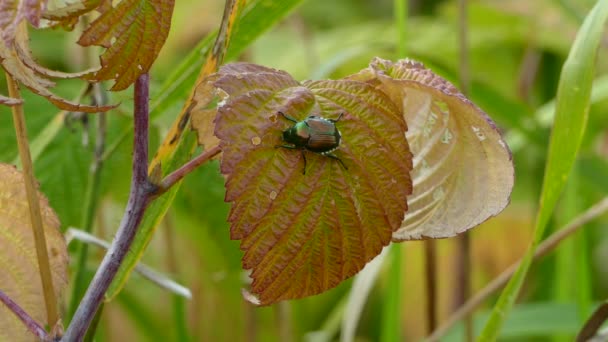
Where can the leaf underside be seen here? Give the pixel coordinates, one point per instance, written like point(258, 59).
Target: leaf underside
point(20, 278)
point(133, 33)
point(305, 233)
point(14, 12)
point(463, 173)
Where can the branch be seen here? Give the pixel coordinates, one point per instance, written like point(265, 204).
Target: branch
point(139, 198)
point(29, 322)
point(190, 166)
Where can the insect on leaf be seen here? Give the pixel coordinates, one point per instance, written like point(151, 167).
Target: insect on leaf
point(133, 33)
point(305, 233)
point(20, 277)
point(463, 173)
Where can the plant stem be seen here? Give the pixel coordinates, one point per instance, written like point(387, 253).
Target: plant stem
point(430, 272)
point(29, 322)
point(190, 166)
point(34, 205)
point(497, 283)
point(463, 269)
point(139, 198)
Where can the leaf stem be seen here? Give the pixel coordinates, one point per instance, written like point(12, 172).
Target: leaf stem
point(543, 249)
point(190, 166)
point(139, 198)
point(34, 204)
point(23, 316)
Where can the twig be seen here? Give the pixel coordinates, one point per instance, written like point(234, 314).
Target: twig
point(139, 198)
point(29, 322)
point(190, 166)
point(590, 329)
point(544, 248)
point(34, 205)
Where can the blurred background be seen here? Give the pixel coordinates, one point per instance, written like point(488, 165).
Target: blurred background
point(516, 50)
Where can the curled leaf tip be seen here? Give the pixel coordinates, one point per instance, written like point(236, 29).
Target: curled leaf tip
point(463, 172)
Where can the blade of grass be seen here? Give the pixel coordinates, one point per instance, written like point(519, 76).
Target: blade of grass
point(44, 266)
point(391, 310)
point(572, 109)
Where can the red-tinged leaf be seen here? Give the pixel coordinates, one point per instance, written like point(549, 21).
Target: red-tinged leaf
point(133, 33)
point(13, 64)
point(13, 12)
point(61, 10)
point(463, 173)
point(305, 233)
point(26, 58)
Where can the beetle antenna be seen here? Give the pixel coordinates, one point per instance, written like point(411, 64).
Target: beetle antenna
point(288, 117)
point(338, 119)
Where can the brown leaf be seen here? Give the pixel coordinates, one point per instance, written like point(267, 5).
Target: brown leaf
point(13, 12)
point(62, 10)
point(133, 33)
point(13, 64)
point(463, 173)
point(20, 278)
point(305, 233)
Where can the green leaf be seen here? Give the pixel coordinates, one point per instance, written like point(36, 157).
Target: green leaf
point(463, 173)
point(573, 98)
point(305, 233)
point(133, 33)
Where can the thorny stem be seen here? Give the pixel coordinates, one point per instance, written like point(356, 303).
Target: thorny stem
point(139, 198)
point(543, 249)
point(34, 205)
point(29, 322)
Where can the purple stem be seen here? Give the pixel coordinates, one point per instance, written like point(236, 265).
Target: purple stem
point(139, 198)
point(29, 322)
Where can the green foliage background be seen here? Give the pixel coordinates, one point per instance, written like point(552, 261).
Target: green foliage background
point(517, 49)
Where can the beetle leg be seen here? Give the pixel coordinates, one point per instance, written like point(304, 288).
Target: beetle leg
point(333, 156)
point(304, 157)
point(336, 120)
point(288, 117)
point(287, 147)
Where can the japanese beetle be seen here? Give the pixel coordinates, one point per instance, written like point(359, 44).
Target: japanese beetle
point(315, 134)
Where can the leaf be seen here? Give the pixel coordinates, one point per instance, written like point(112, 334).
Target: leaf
point(14, 63)
point(133, 33)
point(463, 173)
point(305, 233)
point(59, 10)
point(13, 12)
point(571, 112)
point(20, 278)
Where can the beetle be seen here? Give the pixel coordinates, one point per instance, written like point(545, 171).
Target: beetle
point(315, 134)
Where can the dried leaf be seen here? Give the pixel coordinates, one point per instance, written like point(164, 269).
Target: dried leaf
point(20, 278)
point(133, 33)
point(13, 12)
point(13, 64)
point(9, 101)
point(60, 10)
point(463, 173)
point(305, 233)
